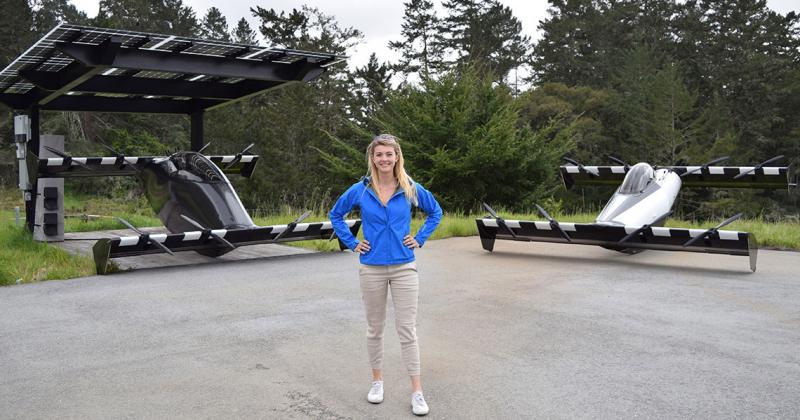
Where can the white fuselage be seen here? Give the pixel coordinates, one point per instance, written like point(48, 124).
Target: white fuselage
point(644, 207)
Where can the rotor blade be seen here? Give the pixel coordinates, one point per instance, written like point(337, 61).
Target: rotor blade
point(212, 234)
point(147, 235)
point(57, 152)
point(570, 160)
point(771, 160)
point(247, 148)
point(117, 154)
point(717, 160)
point(759, 166)
point(129, 226)
point(204, 147)
point(712, 230)
point(491, 211)
point(645, 227)
point(706, 165)
point(160, 245)
point(303, 216)
point(233, 162)
point(67, 156)
point(543, 212)
point(617, 160)
point(729, 220)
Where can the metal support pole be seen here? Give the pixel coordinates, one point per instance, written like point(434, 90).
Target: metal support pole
point(196, 134)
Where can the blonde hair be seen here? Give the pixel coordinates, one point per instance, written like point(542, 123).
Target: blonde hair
point(405, 181)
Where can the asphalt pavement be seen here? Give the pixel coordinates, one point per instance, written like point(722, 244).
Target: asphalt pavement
point(532, 330)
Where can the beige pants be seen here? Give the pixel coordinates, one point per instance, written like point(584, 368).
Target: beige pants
point(403, 281)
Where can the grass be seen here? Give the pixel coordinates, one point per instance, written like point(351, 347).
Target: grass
point(23, 260)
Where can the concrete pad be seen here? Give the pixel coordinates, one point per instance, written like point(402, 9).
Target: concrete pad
point(529, 331)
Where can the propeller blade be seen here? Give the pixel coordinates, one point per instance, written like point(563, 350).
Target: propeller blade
point(146, 235)
point(712, 230)
point(500, 221)
point(121, 158)
point(491, 211)
point(718, 160)
point(729, 220)
point(247, 148)
point(204, 147)
point(581, 167)
point(67, 157)
point(110, 149)
point(644, 227)
point(57, 152)
point(543, 212)
point(160, 245)
point(129, 226)
point(759, 166)
point(618, 160)
point(212, 234)
point(553, 223)
point(706, 165)
point(302, 217)
point(239, 156)
point(290, 227)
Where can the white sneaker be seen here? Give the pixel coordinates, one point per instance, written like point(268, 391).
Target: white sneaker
point(418, 404)
point(375, 395)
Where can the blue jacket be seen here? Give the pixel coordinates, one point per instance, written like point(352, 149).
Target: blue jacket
point(384, 226)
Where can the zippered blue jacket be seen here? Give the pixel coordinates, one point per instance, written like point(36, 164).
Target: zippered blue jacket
point(384, 226)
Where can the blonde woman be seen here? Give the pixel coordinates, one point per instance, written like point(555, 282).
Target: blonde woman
point(385, 197)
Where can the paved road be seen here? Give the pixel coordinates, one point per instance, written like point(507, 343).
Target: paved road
point(532, 330)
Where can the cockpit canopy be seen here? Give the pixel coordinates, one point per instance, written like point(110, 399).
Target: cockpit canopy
point(639, 176)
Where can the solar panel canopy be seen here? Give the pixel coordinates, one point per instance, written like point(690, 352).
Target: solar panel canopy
point(81, 68)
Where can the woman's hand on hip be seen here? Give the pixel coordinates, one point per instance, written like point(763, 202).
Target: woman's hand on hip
point(410, 242)
point(362, 247)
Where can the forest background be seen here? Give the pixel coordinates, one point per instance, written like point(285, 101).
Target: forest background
point(483, 113)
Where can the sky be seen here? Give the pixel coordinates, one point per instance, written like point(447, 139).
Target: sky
point(379, 20)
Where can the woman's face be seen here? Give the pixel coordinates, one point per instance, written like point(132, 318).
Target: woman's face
point(384, 158)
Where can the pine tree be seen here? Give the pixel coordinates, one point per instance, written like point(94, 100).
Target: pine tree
point(372, 82)
point(165, 16)
point(419, 52)
point(214, 26)
point(287, 30)
point(49, 13)
point(483, 33)
point(16, 21)
point(243, 34)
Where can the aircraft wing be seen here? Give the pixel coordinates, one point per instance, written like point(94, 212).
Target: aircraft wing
point(733, 176)
point(129, 165)
point(202, 240)
point(700, 176)
point(657, 238)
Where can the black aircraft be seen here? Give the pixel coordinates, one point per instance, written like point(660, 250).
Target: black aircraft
point(193, 198)
point(632, 219)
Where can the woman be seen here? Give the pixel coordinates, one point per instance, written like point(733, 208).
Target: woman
point(385, 197)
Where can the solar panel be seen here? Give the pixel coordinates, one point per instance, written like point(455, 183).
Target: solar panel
point(65, 60)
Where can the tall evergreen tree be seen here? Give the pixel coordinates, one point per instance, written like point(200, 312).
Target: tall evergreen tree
point(16, 21)
point(483, 33)
point(164, 16)
point(214, 26)
point(372, 83)
point(243, 34)
point(417, 49)
point(49, 13)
